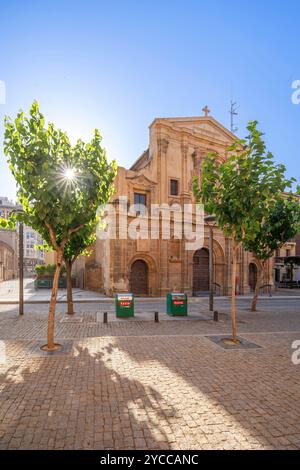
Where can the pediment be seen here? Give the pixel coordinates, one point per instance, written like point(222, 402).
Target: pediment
point(140, 179)
point(202, 126)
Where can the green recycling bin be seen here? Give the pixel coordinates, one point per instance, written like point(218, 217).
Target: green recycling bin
point(177, 304)
point(43, 283)
point(124, 305)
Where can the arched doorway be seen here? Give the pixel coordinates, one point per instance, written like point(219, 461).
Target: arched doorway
point(252, 276)
point(201, 271)
point(139, 277)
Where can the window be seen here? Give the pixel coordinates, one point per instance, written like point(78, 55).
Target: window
point(140, 199)
point(174, 187)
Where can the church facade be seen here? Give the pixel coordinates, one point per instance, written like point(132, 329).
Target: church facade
point(163, 175)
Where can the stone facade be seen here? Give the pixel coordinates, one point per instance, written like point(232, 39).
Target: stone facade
point(282, 273)
point(8, 244)
point(32, 256)
point(8, 255)
point(154, 267)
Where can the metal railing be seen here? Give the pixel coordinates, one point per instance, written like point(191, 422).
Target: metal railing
point(217, 288)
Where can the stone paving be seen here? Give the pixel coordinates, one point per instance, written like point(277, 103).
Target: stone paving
point(141, 385)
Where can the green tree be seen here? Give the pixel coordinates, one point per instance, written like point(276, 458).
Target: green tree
point(60, 186)
point(278, 226)
point(78, 244)
point(239, 191)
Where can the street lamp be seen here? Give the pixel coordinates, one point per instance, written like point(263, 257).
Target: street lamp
point(210, 220)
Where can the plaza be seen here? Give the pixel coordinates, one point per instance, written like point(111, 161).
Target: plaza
point(149, 232)
point(136, 384)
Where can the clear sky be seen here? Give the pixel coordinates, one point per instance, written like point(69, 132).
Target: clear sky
point(117, 65)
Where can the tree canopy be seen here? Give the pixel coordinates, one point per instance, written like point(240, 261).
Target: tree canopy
point(240, 190)
point(59, 185)
point(280, 225)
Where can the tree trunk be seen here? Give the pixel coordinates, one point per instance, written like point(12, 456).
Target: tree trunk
point(69, 287)
point(259, 281)
point(233, 288)
point(50, 334)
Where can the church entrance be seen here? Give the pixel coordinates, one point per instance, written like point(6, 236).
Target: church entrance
point(252, 276)
point(139, 278)
point(200, 271)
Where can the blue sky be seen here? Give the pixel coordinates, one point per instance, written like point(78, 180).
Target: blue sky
point(117, 65)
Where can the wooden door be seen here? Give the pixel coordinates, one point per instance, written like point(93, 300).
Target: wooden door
point(139, 278)
point(252, 276)
point(201, 271)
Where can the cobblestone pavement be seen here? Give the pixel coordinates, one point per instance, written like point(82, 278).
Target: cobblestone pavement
point(137, 384)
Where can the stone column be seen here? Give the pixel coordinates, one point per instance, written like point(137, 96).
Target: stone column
point(162, 148)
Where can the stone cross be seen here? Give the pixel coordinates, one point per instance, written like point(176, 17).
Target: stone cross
point(206, 110)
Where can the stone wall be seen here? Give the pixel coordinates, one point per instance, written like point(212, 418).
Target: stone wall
point(93, 278)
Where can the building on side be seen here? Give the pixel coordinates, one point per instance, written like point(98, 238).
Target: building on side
point(9, 246)
point(32, 255)
point(282, 271)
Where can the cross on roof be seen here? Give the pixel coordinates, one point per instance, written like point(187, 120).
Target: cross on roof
point(206, 110)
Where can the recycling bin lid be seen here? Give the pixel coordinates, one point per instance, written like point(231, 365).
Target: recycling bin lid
point(124, 296)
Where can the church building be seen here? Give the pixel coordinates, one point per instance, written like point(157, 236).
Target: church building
point(163, 175)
